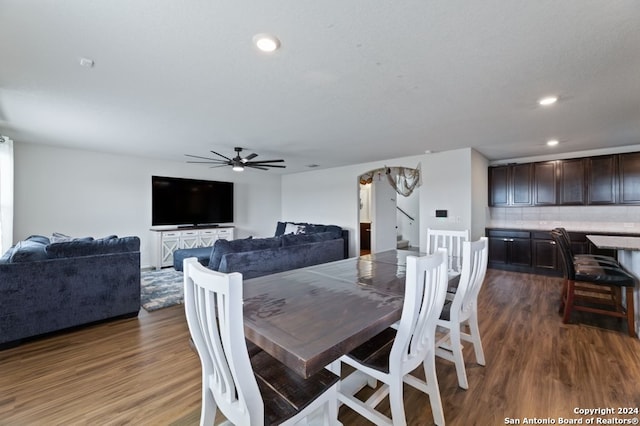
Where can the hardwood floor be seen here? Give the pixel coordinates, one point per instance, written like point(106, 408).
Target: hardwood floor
point(143, 372)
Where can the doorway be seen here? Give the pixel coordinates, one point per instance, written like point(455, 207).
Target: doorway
point(389, 209)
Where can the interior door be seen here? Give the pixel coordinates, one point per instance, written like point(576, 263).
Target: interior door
point(383, 216)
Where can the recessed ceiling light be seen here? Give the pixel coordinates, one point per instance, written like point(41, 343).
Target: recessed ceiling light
point(86, 62)
point(266, 42)
point(548, 100)
point(552, 142)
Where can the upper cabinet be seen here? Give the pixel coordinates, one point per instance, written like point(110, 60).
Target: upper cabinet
point(601, 180)
point(571, 182)
point(544, 184)
point(499, 186)
point(629, 165)
point(510, 185)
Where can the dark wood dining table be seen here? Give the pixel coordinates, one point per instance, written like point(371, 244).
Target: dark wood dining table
point(309, 317)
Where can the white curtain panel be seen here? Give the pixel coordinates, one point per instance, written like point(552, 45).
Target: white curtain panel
point(6, 193)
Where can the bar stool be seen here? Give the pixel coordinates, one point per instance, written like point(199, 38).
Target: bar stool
point(596, 278)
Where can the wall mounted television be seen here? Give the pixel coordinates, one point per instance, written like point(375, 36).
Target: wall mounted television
point(190, 202)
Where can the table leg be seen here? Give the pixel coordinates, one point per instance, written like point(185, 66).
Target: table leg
point(630, 259)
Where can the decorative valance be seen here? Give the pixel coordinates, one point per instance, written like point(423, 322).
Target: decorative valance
point(403, 179)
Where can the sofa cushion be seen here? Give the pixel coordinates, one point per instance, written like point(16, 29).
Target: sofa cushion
point(28, 251)
point(39, 238)
point(293, 239)
point(6, 257)
point(82, 247)
point(222, 247)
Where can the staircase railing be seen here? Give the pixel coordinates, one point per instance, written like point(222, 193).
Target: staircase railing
point(405, 213)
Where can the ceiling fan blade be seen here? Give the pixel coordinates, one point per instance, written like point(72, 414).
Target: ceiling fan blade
point(256, 167)
point(197, 156)
point(249, 157)
point(221, 155)
point(221, 165)
point(224, 163)
point(266, 165)
point(267, 161)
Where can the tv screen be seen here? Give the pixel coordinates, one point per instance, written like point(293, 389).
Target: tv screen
point(177, 201)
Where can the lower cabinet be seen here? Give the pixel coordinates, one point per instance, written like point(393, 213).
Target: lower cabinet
point(509, 249)
point(535, 251)
point(544, 253)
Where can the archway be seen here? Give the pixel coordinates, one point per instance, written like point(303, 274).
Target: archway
point(389, 209)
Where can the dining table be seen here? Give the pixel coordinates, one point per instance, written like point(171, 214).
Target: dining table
point(628, 250)
point(307, 318)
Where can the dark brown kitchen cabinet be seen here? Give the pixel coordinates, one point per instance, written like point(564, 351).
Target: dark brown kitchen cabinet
point(521, 182)
point(534, 251)
point(629, 189)
point(509, 250)
point(499, 186)
point(601, 179)
point(544, 252)
point(544, 183)
point(511, 185)
point(571, 182)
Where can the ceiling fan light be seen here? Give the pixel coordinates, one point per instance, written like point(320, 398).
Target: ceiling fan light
point(238, 167)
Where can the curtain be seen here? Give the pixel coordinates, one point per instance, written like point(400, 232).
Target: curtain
point(403, 179)
point(6, 193)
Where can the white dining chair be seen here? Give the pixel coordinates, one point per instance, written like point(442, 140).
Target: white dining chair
point(452, 241)
point(461, 310)
point(391, 355)
point(235, 381)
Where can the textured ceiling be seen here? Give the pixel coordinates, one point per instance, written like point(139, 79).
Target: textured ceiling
point(354, 81)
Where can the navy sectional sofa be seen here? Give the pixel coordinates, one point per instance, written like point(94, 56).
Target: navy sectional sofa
point(46, 287)
point(254, 257)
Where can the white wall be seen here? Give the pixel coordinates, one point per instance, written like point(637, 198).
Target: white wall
point(84, 193)
point(446, 185)
point(479, 194)
point(383, 202)
point(331, 196)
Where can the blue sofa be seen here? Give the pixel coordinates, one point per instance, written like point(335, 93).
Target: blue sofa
point(255, 257)
point(46, 287)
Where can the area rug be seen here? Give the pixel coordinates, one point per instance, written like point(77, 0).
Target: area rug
point(161, 289)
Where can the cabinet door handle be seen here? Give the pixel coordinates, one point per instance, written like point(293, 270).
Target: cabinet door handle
point(553, 243)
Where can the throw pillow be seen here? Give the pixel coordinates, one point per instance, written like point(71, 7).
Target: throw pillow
point(295, 228)
point(38, 238)
point(58, 237)
point(28, 251)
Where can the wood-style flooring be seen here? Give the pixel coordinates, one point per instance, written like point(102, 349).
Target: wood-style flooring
point(142, 371)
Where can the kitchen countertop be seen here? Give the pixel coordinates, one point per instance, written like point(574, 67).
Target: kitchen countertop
point(615, 242)
point(587, 230)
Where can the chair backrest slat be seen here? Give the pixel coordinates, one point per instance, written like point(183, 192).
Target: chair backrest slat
point(425, 290)
point(474, 269)
point(452, 241)
point(213, 306)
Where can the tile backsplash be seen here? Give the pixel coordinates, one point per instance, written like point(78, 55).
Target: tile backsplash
point(574, 218)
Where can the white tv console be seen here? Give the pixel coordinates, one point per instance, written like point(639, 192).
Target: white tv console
point(171, 239)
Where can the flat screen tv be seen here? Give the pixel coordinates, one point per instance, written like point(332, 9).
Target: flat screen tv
point(190, 202)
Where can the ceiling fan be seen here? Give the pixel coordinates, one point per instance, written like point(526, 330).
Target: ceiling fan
point(238, 163)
